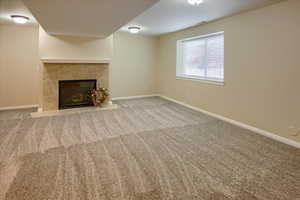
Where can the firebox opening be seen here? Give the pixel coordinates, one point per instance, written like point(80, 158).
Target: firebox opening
point(74, 93)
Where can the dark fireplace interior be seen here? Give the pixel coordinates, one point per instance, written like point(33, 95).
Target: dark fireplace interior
point(74, 93)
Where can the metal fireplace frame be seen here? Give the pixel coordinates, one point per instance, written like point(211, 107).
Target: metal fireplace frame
point(60, 106)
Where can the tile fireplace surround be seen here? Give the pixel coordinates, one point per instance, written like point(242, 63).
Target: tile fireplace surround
point(54, 72)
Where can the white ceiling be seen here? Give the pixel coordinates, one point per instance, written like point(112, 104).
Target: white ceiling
point(91, 18)
point(172, 15)
point(14, 7)
point(164, 17)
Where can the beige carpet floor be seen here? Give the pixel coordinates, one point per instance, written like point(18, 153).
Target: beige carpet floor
point(148, 149)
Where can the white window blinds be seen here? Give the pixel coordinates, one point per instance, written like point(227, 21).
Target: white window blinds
point(201, 57)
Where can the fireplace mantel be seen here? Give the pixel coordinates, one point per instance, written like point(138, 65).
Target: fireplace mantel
point(89, 61)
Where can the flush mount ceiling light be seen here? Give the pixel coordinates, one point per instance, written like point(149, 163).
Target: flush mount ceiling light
point(195, 2)
point(19, 19)
point(134, 29)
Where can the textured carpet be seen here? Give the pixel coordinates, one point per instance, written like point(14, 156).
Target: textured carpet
point(16, 114)
point(148, 149)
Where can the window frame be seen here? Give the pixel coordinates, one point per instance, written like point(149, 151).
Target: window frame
point(179, 61)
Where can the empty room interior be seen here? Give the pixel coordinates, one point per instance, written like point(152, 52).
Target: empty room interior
point(150, 100)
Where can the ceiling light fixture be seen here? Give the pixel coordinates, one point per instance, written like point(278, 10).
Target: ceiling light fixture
point(134, 29)
point(195, 2)
point(19, 19)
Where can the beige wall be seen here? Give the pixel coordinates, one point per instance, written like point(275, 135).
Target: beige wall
point(18, 65)
point(134, 65)
point(62, 47)
point(262, 69)
point(133, 71)
point(134, 58)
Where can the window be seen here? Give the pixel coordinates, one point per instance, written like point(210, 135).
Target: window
point(201, 57)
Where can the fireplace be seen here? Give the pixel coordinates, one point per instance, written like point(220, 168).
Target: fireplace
point(74, 93)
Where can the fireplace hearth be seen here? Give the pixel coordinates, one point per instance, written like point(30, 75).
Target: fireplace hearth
point(74, 93)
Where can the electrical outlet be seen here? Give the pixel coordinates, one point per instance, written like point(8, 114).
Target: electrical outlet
point(294, 131)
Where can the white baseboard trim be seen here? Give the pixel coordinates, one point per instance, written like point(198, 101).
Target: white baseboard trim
point(18, 107)
point(135, 97)
point(240, 124)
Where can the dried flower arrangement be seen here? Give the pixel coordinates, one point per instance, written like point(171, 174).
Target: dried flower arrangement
point(98, 97)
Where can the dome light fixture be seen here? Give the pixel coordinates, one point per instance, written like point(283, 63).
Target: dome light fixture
point(195, 2)
point(134, 29)
point(19, 19)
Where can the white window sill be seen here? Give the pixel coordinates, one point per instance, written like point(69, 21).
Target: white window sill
point(202, 80)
